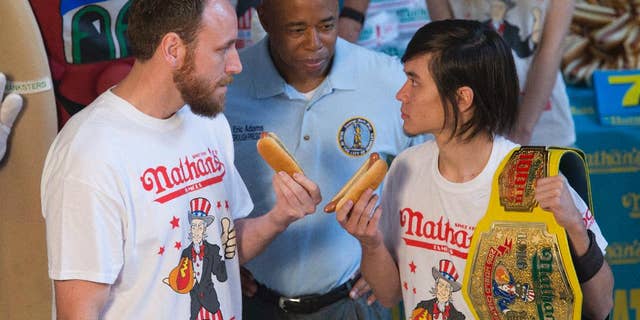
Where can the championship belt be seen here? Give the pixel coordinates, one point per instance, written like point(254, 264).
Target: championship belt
point(519, 264)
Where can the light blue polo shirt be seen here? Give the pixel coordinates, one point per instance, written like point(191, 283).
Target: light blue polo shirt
point(351, 114)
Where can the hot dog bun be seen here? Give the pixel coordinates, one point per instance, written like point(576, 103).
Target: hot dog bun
point(593, 14)
point(276, 154)
point(369, 175)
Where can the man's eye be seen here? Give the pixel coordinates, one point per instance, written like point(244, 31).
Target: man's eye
point(327, 27)
point(296, 30)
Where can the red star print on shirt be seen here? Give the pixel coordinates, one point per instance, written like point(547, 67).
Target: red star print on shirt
point(406, 286)
point(175, 222)
point(413, 267)
point(178, 245)
point(161, 250)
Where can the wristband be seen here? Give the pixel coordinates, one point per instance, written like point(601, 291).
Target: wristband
point(590, 263)
point(353, 14)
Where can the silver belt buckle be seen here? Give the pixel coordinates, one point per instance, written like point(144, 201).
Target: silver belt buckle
point(282, 300)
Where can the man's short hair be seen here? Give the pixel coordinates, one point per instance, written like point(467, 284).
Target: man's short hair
point(468, 53)
point(150, 20)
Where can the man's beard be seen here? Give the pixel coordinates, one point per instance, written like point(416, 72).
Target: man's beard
point(197, 93)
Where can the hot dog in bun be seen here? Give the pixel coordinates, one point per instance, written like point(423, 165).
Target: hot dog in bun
point(593, 14)
point(276, 154)
point(369, 175)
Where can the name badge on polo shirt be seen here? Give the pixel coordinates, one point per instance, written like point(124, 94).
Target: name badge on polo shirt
point(519, 264)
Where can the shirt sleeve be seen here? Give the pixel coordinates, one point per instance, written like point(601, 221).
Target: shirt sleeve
point(85, 235)
point(589, 220)
point(389, 224)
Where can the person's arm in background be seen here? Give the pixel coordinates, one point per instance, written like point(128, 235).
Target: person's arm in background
point(348, 28)
point(439, 9)
point(542, 74)
point(80, 299)
point(553, 194)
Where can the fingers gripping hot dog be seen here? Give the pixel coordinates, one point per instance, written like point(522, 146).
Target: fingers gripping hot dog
point(276, 154)
point(369, 175)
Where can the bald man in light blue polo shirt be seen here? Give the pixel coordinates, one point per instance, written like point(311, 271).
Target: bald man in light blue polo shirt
point(332, 104)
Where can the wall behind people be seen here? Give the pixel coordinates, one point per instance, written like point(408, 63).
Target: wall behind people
point(25, 291)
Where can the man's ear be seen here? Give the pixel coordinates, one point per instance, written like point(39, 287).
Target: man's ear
point(465, 99)
point(172, 49)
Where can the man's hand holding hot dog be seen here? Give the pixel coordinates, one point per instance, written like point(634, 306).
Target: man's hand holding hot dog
point(296, 197)
point(377, 267)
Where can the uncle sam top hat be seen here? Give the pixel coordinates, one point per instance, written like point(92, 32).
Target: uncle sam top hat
point(448, 273)
point(200, 210)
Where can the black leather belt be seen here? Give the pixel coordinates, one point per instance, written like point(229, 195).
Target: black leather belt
point(304, 304)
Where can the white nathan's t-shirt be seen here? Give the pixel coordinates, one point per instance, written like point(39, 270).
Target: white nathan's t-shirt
point(428, 223)
point(119, 192)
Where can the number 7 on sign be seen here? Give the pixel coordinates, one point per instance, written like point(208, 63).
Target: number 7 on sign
point(632, 97)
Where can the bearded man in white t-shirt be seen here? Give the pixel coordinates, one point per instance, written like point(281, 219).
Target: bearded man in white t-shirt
point(121, 175)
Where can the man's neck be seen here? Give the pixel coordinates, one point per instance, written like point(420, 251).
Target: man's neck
point(150, 91)
point(460, 161)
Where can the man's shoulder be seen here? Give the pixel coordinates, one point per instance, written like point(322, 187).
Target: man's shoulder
point(366, 59)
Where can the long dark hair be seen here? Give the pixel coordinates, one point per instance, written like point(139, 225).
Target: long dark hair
point(468, 53)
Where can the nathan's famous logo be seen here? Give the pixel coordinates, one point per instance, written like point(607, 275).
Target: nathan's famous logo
point(356, 137)
point(517, 179)
point(440, 235)
point(614, 161)
point(621, 253)
point(542, 271)
point(190, 174)
point(94, 30)
point(631, 201)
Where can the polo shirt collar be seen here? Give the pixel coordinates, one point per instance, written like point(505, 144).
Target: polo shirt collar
point(270, 83)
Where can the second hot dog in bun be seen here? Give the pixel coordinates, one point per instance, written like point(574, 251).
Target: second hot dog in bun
point(276, 154)
point(369, 175)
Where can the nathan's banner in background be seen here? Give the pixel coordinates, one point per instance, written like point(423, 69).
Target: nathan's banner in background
point(604, 35)
point(613, 156)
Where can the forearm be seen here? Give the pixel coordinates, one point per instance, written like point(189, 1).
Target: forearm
point(79, 299)
point(254, 235)
point(348, 28)
point(540, 81)
point(542, 74)
point(439, 9)
point(598, 291)
point(381, 272)
point(597, 294)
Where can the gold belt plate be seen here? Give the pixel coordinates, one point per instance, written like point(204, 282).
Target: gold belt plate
point(518, 273)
